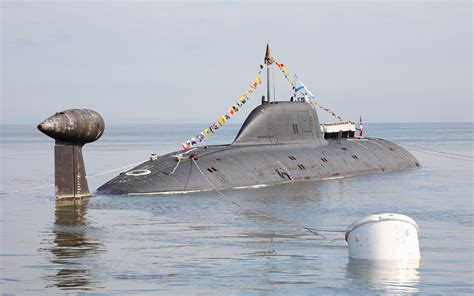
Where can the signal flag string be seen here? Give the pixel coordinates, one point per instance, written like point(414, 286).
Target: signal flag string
point(242, 100)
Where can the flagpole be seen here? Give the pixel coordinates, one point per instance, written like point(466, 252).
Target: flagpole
point(267, 63)
point(268, 84)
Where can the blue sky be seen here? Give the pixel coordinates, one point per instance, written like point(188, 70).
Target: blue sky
point(187, 62)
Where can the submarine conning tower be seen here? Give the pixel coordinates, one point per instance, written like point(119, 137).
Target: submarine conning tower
point(72, 129)
point(281, 123)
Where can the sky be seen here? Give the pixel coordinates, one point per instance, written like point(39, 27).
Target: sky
point(188, 62)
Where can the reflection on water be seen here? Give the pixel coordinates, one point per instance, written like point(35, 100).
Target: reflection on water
point(385, 276)
point(72, 248)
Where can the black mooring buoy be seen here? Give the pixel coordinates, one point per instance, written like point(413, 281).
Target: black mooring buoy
point(72, 129)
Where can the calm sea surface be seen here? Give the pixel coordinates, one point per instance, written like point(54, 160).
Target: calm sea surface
point(202, 244)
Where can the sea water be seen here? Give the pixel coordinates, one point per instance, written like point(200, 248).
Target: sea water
point(204, 244)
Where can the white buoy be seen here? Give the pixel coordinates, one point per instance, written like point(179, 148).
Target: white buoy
point(384, 237)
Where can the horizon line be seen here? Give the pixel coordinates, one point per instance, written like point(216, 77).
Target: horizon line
point(3, 123)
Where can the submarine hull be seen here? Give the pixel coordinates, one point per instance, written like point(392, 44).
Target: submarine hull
point(279, 142)
point(239, 166)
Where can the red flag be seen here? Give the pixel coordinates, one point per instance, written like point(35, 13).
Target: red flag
point(268, 56)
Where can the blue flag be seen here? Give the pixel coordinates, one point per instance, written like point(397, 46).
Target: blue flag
point(300, 87)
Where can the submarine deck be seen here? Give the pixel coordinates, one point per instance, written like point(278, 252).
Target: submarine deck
point(239, 166)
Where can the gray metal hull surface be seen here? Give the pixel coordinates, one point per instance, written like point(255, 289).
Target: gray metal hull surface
point(240, 166)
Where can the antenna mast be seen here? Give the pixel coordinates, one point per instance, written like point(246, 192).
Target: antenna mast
point(268, 61)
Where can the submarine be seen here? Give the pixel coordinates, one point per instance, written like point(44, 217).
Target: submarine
point(279, 142)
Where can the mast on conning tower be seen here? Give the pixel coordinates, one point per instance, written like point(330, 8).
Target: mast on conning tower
point(268, 61)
